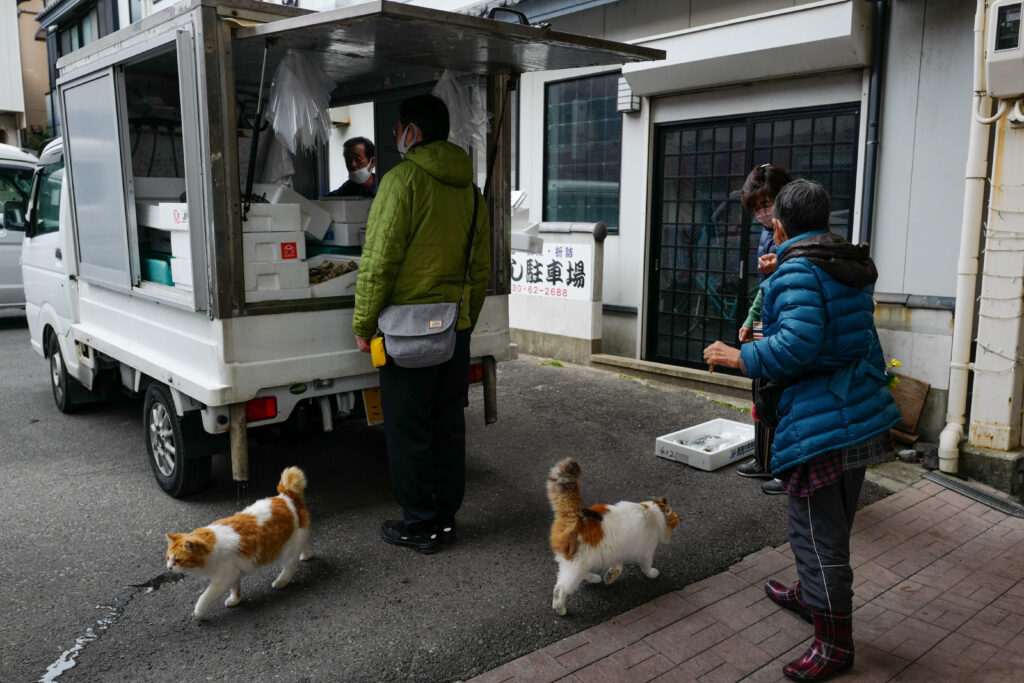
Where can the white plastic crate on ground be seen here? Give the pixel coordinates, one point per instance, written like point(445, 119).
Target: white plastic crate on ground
point(181, 273)
point(343, 285)
point(346, 209)
point(315, 220)
point(738, 443)
point(267, 247)
point(272, 218)
point(345, 235)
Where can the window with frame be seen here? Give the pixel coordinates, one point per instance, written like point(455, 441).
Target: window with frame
point(47, 199)
point(703, 271)
point(582, 150)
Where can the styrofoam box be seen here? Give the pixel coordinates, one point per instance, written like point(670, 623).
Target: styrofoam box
point(347, 209)
point(162, 215)
point(277, 295)
point(315, 220)
point(339, 286)
point(181, 272)
point(272, 218)
point(276, 276)
point(667, 446)
point(267, 247)
point(345, 235)
point(181, 244)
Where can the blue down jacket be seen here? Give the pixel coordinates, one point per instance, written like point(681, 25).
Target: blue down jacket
point(819, 331)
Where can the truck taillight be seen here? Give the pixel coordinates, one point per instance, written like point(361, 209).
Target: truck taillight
point(476, 372)
point(261, 408)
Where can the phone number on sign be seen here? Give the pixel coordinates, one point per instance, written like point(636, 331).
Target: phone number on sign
point(536, 289)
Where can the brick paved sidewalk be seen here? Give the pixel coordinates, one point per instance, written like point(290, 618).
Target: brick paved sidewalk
point(939, 595)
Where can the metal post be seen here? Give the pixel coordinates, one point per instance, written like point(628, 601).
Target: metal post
point(490, 369)
point(239, 444)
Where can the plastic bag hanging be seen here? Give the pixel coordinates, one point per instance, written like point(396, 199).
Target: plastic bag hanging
point(467, 110)
point(297, 109)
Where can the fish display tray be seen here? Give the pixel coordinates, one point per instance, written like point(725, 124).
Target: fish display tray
point(668, 446)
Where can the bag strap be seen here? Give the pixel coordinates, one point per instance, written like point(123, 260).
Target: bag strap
point(469, 248)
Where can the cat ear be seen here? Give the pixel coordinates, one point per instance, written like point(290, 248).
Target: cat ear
point(174, 537)
point(662, 501)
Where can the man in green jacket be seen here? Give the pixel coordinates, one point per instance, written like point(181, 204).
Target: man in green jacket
point(415, 253)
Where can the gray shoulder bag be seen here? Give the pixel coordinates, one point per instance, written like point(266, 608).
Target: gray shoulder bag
point(423, 335)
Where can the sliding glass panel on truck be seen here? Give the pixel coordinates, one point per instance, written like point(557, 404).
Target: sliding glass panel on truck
point(93, 143)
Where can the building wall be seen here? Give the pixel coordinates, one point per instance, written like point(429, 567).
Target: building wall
point(923, 147)
point(33, 63)
point(12, 94)
point(925, 122)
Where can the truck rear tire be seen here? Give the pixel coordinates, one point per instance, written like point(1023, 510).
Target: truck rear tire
point(178, 447)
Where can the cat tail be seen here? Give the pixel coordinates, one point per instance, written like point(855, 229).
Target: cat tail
point(293, 483)
point(564, 492)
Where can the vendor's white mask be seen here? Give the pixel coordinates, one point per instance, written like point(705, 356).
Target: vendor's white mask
point(360, 175)
point(410, 133)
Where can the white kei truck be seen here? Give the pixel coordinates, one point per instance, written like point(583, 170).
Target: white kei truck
point(225, 330)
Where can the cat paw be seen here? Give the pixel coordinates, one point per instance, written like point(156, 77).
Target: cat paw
point(592, 578)
point(280, 583)
point(558, 601)
point(612, 574)
point(199, 614)
point(651, 573)
point(233, 600)
point(306, 555)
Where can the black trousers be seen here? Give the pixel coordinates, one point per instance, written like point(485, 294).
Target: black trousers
point(425, 429)
point(819, 535)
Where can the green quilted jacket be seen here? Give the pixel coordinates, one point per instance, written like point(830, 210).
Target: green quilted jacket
point(416, 236)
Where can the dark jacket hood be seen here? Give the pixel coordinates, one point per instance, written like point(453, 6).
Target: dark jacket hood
point(848, 263)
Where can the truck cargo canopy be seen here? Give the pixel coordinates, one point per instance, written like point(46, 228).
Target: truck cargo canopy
point(378, 46)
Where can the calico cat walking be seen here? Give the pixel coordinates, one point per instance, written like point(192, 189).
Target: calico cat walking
point(268, 529)
point(600, 537)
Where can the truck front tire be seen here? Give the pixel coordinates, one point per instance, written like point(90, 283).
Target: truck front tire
point(178, 447)
point(68, 393)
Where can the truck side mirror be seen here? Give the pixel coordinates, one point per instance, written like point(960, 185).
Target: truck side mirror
point(13, 216)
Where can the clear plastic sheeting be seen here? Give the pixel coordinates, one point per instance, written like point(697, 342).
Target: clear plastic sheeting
point(464, 94)
point(298, 104)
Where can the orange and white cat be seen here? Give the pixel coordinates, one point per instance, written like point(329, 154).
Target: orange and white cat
point(268, 529)
point(600, 538)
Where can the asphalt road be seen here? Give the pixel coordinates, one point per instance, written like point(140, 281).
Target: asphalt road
point(85, 597)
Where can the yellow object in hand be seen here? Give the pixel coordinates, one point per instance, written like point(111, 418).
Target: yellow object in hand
point(377, 355)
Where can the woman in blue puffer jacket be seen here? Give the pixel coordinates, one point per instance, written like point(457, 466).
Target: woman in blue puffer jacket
point(833, 418)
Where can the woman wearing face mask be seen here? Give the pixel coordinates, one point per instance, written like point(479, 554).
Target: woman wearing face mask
point(759, 192)
point(360, 159)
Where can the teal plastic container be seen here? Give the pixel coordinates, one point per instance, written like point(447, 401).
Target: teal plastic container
point(156, 269)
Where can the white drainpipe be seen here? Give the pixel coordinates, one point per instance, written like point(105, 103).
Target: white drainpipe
point(967, 266)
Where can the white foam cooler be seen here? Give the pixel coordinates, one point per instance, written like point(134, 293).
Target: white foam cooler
point(346, 209)
point(668, 446)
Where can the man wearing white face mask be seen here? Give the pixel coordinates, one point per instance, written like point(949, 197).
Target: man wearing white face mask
point(427, 241)
point(360, 160)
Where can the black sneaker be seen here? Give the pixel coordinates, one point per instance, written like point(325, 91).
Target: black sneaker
point(752, 468)
point(396, 532)
point(773, 487)
point(446, 533)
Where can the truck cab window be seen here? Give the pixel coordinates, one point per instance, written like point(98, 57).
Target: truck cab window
point(47, 199)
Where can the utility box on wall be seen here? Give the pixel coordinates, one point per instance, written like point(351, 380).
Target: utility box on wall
point(554, 305)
